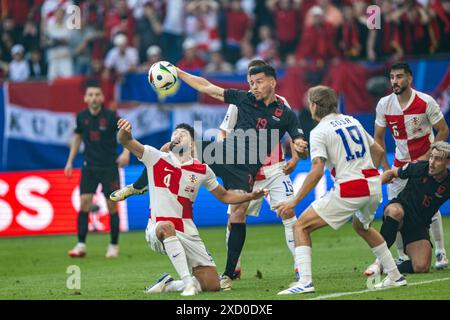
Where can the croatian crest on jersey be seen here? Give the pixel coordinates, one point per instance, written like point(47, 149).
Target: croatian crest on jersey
point(416, 124)
point(193, 178)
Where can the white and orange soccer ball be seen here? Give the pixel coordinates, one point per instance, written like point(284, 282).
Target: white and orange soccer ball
point(162, 75)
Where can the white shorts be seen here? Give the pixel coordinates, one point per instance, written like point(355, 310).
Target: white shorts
point(196, 253)
point(280, 189)
point(394, 188)
point(336, 211)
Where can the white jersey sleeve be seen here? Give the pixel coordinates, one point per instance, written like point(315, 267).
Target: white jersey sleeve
point(380, 119)
point(318, 144)
point(433, 111)
point(229, 122)
point(150, 156)
point(210, 182)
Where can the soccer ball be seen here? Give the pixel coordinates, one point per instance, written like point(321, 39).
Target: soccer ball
point(162, 75)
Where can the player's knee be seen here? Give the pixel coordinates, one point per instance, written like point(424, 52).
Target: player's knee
point(288, 214)
point(421, 266)
point(85, 204)
point(238, 216)
point(300, 227)
point(394, 212)
point(165, 229)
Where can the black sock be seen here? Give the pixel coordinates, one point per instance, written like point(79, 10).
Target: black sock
point(114, 225)
point(389, 230)
point(235, 244)
point(142, 181)
point(406, 267)
point(83, 223)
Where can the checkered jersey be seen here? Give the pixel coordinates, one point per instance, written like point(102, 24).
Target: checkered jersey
point(174, 186)
point(412, 128)
point(273, 165)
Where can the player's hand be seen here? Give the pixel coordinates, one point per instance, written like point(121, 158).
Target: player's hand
point(256, 194)
point(290, 166)
point(123, 160)
point(124, 130)
point(301, 146)
point(282, 207)
point(68, 170)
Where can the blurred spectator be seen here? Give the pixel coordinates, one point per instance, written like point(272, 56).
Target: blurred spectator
point(248, 54)
point(81, 47)
point(332, 14)
point(153, 55)
point(202, 25)
point(173, 29)
point(318, 42)
point(348, 34)
point(191, 59)
point(149, 28)
point(9, 37)
point(37, 65)
point(218, 64)
point(58, 50)
point(238, 29)
point(30, 35)
point(18, 68)
point(382, 43)
point(121, 59)
point(267, 42)
point(287, 24)
point(439, 12)
point(119, 19)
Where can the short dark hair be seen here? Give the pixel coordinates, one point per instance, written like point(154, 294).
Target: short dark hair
point(267, 69)
point(187, 127)
point(92, 83)
point(401, 66)
point(256, 63)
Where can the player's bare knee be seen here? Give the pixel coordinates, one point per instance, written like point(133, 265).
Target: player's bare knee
point(300, 227)
point(85, 203)
point(395, 212)
point(421, 266)
point(165, 229)
point(288, 214)
point(238, 216)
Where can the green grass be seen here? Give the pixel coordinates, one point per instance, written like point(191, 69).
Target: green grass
point(35, 267)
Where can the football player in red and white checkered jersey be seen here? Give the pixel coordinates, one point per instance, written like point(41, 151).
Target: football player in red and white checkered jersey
point(174, 180)
point(411, 117)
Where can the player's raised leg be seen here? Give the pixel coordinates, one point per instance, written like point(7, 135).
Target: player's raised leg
point(437, 232)
point(140, 186)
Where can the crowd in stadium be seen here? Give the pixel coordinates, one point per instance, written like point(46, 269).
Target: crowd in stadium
point(121, 36)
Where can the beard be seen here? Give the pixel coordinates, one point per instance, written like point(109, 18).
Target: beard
point(175, 147)
point(400, 89)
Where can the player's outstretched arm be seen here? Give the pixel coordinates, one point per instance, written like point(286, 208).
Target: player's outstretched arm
point(379, 138)
point(377, 153)
point(74, 147)
point(388, 175)
point(126, 139)
point(232, 197)
point(202, 85)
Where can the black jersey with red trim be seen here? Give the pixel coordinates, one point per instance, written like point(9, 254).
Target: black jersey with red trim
point(423, 195)
point(99, 135)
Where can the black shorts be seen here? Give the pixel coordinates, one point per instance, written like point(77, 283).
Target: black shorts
point(412, 230)
point(234, 176)
point(92, 176)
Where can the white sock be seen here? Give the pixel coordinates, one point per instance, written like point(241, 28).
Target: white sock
point(385, 257)
point(289, 234)
point(303, 262)
point(227, 236)
point(177, 256)
point(400, 248)
point(178, 285)
point(437, 232)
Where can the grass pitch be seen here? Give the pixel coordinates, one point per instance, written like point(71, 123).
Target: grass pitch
point(36, 267)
